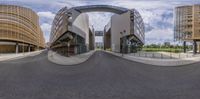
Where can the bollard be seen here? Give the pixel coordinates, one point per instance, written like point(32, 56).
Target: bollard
point(161, 56)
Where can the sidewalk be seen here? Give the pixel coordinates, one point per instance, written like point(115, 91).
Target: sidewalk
point(158, 62)
point(13, 56)
point(72, 60)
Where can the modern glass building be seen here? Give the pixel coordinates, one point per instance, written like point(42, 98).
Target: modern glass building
point(187, 25)
point(19, 30)
point(69, 38)
point(71, 34)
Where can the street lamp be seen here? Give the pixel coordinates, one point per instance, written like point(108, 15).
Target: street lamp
point(68, 45)
point(122, 42)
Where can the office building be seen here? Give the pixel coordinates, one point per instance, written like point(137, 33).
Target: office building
point(71, 34)
point(19, 30)
point(187, 25)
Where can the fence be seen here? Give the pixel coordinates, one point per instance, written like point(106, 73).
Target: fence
point(163, 55)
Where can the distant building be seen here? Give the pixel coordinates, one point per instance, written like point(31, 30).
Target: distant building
point(98, 33)
point(19, 30)
point(187, 25)
point(99, 44)
point(167, 44)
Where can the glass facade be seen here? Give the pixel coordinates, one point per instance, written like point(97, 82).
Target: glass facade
point(60, 35)
point(137, 26)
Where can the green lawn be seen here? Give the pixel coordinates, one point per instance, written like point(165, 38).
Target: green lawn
point(175, 50)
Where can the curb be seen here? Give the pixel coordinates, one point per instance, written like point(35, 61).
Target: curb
point(20, 55)
point(73, 60)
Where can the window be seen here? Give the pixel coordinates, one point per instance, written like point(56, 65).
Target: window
point(189, 20)
point(189, 26)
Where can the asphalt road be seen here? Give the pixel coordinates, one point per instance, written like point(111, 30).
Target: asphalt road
point(103, 76)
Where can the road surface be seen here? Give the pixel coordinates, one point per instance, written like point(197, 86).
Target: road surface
point(103, 76)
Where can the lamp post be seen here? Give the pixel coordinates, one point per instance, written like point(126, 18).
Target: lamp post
point(68, 45)
point(124, 40)
point(122, 43)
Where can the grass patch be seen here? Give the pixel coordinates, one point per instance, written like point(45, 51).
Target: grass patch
point(175, 50)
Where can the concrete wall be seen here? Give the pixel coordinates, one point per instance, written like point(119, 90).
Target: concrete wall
point(107, 39)
point(81, 26)
point(107, 27)
point(119, 23)
point(91, 39)
point(107, 36)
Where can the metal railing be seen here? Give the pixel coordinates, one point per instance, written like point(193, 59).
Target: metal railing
point(163, 55)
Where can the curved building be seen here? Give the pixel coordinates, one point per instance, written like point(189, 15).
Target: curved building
point(19, 30)
point(71, 34)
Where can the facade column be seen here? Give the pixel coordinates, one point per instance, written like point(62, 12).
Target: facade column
point(29, 48)
point(16, 48)
point(194, 47)
point(184, 46)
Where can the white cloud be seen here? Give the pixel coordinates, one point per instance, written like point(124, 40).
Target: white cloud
point(159, 36)
point(46, 19)
point(46, 28)
point(99, 39)
point(99, 19)
point(142, 4)
point(151, 10)
point(47, 14)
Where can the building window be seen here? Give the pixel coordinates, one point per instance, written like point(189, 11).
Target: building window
point(189, 26)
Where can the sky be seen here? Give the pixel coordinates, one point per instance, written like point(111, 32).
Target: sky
point(157, 14)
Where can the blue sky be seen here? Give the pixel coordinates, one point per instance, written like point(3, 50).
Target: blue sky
point(157, 14)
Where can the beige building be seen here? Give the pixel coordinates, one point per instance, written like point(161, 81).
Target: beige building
point(19, 30)
point(187, 25)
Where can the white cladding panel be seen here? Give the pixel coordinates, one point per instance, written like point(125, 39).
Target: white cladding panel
point(119, 23)
point(81, 26)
